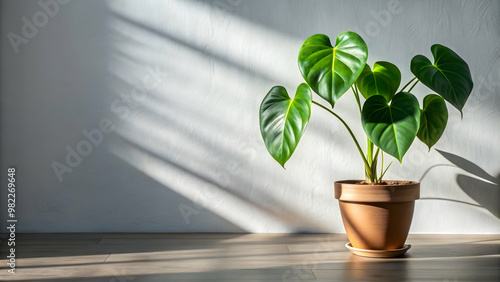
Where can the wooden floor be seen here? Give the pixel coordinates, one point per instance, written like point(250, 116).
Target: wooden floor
point(245, 257)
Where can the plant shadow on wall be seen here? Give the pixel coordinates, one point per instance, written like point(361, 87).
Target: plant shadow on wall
point(482, 188)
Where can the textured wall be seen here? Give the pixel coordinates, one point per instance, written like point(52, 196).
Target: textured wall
point(142, 116)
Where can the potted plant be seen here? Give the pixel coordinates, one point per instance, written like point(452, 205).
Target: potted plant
point(376, 214)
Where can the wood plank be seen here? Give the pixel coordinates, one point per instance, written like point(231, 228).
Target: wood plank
point(408, 274)
point(136, 271)
point(245, 257)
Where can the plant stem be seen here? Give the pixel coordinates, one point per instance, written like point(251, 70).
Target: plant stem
point(356, 94)
point(371, 169)
point(370, 164)
point(369, 157)
point(369, 152)
point(381, 168)
point(413, 86)
point(409, 82)
point(348, 129)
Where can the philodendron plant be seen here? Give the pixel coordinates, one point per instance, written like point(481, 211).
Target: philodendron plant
point(390, 118)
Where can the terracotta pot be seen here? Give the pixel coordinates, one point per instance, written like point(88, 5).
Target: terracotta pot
point(376, 217)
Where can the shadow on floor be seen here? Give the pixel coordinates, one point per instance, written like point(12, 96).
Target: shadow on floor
point(470, 260)
point(266, 257)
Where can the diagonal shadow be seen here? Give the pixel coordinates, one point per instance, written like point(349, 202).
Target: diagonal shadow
point(485, 193)
point(290, 216)
point(468, 166)
point(483, 187)
point(186, 45)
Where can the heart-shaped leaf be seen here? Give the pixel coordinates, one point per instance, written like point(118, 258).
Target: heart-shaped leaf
point(331, 71)
point(449, 76)
point(392, 127)
point(283, 120)
point(433, 119)
point(383, 80)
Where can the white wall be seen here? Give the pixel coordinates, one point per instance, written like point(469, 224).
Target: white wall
point(180, 83)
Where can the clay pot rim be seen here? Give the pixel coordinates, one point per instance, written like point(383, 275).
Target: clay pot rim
point(351, 191)
point(355, 182)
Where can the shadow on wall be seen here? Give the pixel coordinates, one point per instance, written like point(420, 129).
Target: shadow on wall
point(188, 145)
point(482, 188)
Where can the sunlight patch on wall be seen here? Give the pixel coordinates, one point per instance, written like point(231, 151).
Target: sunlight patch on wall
point(202, 191)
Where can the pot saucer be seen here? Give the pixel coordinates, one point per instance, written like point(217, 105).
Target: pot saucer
point(378, 253)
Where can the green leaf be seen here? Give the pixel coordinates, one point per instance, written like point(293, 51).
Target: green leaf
point(283, 120)
point(392, 127)
point(331, 71)
point(433, 119)
point(383, 80)
point(449, 76)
